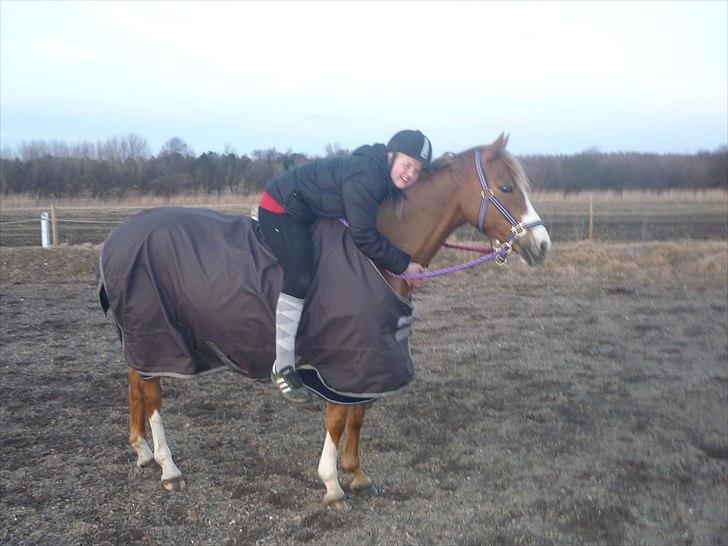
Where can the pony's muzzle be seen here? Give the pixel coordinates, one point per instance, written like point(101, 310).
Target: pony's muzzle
point(534, 246)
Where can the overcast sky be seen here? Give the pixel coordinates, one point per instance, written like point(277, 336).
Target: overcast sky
point(559, 77)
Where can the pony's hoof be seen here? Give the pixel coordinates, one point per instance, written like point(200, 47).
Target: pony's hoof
point(367, 490)
point(339, 505)
point(175, 484)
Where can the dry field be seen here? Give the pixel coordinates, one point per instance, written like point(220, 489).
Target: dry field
point(585, 401)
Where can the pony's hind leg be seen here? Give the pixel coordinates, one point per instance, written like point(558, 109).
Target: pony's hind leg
point(335, 421)
point(172, 479)
point(360, 482)
point(137, 439)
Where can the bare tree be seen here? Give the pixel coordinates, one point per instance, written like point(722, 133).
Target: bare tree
point(35, 149)
point(335, 150)
point(84, 150)
point(6, 152)
point(134, 147)
point(176, 145)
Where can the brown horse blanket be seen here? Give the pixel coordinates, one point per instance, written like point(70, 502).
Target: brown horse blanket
point(193, 290)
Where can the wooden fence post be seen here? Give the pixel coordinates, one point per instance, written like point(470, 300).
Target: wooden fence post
point(54, 225)
point(591, 216)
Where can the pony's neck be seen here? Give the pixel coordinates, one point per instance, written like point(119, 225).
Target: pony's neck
point(421, 223)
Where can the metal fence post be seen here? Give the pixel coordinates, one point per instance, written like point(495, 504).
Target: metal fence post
point(44, 230)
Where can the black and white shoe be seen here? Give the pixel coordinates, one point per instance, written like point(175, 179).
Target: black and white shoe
point(289, 383)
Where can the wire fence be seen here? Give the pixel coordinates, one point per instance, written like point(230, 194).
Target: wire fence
point(565, 221)
point(29, 221)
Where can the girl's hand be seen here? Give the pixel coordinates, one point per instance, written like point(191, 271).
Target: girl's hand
point(413, 269)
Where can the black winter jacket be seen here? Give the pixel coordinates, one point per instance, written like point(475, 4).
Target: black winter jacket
point(350, 187)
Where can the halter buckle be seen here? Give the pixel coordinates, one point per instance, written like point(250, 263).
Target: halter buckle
point(518, 231)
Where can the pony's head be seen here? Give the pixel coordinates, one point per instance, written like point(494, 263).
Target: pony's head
point(494, 197)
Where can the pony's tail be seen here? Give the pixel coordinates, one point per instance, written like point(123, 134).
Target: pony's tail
point(103, 296)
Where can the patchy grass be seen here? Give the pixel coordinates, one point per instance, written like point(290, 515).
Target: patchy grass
point(581, 261)
point(599, 262)
point(21, 265)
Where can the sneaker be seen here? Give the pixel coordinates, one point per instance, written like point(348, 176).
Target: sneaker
point(289, 383)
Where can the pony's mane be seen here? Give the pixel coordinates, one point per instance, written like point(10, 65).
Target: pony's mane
point(514, 166)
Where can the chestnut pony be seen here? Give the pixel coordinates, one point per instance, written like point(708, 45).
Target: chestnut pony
point(484, 187)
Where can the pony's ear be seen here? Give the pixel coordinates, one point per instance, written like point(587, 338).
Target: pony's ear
point(491, 150)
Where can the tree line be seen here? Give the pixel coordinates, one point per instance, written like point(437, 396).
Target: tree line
point(123, 166)
point(594, 170)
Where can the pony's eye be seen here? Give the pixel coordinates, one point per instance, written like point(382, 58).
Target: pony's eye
point(507, 189)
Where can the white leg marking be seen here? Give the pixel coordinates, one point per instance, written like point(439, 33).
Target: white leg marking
point(144, 454)
point(328, 473)
point(162, 453)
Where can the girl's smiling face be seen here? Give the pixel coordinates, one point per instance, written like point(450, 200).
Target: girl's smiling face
point(405, 170)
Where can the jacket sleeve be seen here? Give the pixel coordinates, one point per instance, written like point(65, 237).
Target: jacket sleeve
point(361, 199)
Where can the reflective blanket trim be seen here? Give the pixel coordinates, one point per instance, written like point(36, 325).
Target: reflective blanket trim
point(313, 380)
point(152, 375)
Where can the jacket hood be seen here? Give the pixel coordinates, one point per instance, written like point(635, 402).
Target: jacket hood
point(378, 153)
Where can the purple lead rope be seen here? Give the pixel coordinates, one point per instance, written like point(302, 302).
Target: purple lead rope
point(502, 253)
point(452, 269)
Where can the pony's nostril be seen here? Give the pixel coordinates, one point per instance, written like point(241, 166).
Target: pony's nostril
point(544, 246)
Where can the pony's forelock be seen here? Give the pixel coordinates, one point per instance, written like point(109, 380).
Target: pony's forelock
point(516, 169)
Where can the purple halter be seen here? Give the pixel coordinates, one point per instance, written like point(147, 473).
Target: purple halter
point(518, 229)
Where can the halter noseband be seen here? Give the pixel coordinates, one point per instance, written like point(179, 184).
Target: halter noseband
point(518, 229)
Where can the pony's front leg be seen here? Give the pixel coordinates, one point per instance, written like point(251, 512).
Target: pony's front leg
point(172, 479)
point(137, 439)
point(335, 421)
point(360, 482)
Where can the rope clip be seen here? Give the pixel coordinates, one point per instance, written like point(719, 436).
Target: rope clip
point(501, 260)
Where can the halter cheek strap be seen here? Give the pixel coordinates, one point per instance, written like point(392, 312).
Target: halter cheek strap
point(485, 193)
point(518, 229)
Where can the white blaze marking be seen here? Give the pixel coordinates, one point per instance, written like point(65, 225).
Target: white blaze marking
point(162, 453)
point(539, 232)
point(327, 471)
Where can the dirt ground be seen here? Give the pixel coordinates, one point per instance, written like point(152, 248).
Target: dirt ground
point(558, 405)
